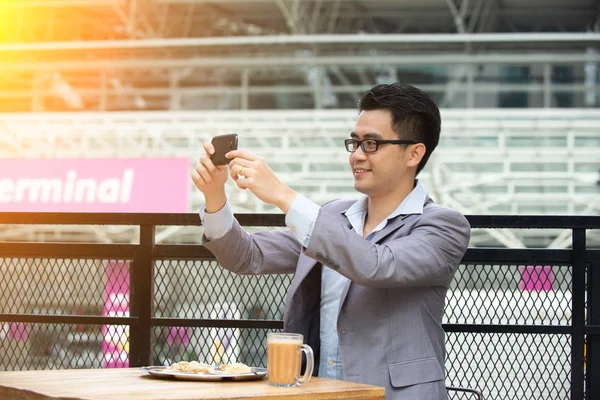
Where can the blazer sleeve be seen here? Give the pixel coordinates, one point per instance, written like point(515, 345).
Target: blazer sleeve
point(265, 252)
point(428, 256)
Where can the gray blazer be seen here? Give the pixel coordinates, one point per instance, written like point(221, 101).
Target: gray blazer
point(390, 319)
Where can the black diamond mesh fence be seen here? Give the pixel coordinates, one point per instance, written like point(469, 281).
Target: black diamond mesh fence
point(523, 366)
point(510, 325)
point(510, 366)
point(510, 294)
point(42, 287)
point(203, 290)
point(52, 286)
point(210, 345)
point(27, 346)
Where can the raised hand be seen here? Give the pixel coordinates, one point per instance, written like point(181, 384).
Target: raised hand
point(210, 179)
point(252, 172)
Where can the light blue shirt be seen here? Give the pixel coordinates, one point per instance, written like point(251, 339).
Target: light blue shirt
point(301, 219)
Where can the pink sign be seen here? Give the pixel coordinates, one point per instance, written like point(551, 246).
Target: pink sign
point(95, 185)
point(18, 331)
point(536, 278)
point(115, 345)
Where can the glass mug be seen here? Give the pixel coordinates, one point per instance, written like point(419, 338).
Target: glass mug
point(284, 358)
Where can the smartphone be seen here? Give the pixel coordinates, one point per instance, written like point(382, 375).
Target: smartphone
point(223, 144)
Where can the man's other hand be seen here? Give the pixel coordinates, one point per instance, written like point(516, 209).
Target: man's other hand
point(252, 172)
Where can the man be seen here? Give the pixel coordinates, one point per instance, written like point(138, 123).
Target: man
point(370, 275)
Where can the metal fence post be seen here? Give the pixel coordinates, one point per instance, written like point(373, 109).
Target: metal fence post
point(593, 332)
point(142, 285)
point(578, 328)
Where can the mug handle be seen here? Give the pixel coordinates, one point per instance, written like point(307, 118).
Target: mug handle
point(310, 361)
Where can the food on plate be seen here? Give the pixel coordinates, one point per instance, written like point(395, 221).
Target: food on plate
point(196, 367)
point(235, 368)
point(193, 367)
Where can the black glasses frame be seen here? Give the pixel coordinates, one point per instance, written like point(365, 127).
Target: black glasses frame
point(355, 144)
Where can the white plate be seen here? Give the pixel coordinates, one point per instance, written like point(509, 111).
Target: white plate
point(166, 373)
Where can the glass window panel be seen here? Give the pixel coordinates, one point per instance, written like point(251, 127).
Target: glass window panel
point(328, 167)
point(535, 167)
point(580, 189)
point(490, 189)
point(587, 141)
point(533, 141)
point(587, 167)
point(472, 141)
point(475, 167)
point(541, 189)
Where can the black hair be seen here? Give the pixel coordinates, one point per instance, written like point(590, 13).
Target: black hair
point(415, 116)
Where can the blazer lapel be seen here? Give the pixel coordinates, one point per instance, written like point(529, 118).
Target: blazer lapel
point(392, 226)
point(395, 224)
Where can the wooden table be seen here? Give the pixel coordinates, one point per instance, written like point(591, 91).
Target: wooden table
point(135, 384)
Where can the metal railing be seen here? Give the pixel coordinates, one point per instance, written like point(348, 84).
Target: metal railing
point(520, 323)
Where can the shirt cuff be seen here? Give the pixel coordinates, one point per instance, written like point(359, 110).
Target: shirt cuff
point(216, 224)
point(301, 218)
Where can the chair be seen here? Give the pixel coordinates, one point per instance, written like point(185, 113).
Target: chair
point(478, 394)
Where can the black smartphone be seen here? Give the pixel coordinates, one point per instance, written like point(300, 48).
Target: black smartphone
point(223, 144)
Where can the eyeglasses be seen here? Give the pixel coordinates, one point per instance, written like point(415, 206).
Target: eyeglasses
point(371, 145)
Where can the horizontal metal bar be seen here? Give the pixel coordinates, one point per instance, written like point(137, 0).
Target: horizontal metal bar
point(219, 323)
point(307, 40)
point(68, 319)
point(510, 255)
point(261, 62)
point(592, 256)
point(267, 324)
point(181, 251)
point(298, 89)
point(592, 330)
point(157, 219)
point(43, 218)
point(68, 250)
point(529, 116)
point(256, 219)
point(60, 3)
point(537, 329)
point(261, 219)
point(535, 221)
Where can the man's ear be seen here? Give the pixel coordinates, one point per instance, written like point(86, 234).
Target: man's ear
point(415, 154)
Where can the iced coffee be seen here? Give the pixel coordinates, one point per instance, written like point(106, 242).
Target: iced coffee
point(284, 358)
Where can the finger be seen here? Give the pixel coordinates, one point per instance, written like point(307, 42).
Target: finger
point(243, 154)
point(206, 176)
point(238, 162)
point(243, 182)
point(233, 174)
point(221, 168)
point(198, 169)
point(236, 165)
point(209, 148)
point(207, 163)
point(204, 168)
point(236, 170)
point(197, 178)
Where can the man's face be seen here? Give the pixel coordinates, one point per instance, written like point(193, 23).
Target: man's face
point(379, 173)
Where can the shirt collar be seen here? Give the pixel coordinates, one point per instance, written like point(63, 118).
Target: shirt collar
point(412, 204)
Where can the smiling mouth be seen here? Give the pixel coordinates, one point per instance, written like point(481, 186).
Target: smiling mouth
point(360, 171)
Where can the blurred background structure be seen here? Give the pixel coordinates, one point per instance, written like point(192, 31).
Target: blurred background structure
point(106, 92)
point(517, 81)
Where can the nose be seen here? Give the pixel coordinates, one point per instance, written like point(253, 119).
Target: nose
point(358, 154)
